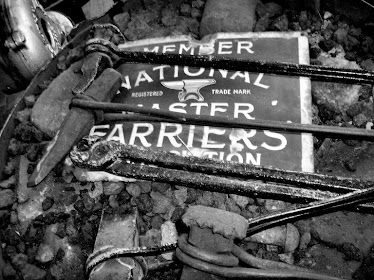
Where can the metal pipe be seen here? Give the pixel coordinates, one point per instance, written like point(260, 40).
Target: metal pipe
point(219, 62)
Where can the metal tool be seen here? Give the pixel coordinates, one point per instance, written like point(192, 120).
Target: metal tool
point(209, 174)
point(145, 114)
point(78, 122)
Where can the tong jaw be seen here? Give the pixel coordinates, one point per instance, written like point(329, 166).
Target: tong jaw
point(94, 152)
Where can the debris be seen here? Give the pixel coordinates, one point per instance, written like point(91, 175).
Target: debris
point(344, 227)
point(45, 253)
point(133, 189)
point(160, 187)
point(286, 237)
point(122, 21)
point(8, 183)
point(96, 8)
point(7, 198)
point(161, 203)
point(27, 270)
point(47, 203)
point(180, 196)
point(224, 16)
point(111, 188)
point(292, 238)
point(169, 235)
point(272, 205)
point(269, 9)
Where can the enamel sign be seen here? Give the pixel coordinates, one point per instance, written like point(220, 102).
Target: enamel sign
point(213, 92)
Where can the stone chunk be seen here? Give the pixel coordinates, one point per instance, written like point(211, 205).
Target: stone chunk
point(145, 186)
point(24, 115)
point(335, 98)
point(228, 16)
point(111, 188)
point(160, 187)
point(270, 9)
point(292, 238)
point(345, 227)
point(133, 189)
point(287, 237)
point(273, 236)
point(47, 203)
point(23, 192)
point(45, 253)
point(287, 258)
point(272, 205)
point(262, 24)
point(169, 235)
point(27, 270)
point(8, 183)
point(28, 133)
point(226, 223)
point(161, 203)
point(280, 23)
point(180, 196)
point(330, 261)
point(96, 8)
point(242, 201)
point(368, 64)
point(7, 198)
point(185, 9)
point(152, 238)
point(122, 21)
point(30, 100)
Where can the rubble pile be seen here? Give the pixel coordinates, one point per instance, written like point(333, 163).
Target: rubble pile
point(48, 231)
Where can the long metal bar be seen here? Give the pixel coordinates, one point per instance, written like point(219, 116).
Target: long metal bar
point(317, 130)
point(314, 209)
point(236, 64)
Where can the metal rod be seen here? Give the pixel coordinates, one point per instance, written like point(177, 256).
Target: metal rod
point(367, 3)
point(236, 64)
point(312, 210)
point(317, 130)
